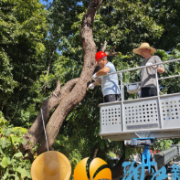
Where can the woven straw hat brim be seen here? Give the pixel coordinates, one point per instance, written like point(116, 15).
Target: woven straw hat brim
point(137, 50)
point(38, 166)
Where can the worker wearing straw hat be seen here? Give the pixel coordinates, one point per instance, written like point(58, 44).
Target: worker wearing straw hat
point(51, 165)
point(148, 78)
point(109, 84)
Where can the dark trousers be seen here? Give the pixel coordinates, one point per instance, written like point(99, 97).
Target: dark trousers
point(148, 91)
point(112, 97)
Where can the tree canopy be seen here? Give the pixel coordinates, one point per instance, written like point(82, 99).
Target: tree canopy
point(22, 38)
point(40, 45)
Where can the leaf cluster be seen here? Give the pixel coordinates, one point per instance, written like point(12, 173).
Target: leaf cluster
point(23, 27)
point(32, 60)
point(12, 162)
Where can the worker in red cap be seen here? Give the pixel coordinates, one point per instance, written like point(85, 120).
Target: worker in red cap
point(109, 83)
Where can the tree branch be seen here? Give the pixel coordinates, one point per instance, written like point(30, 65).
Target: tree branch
point(104, 46)
point(112, 49)
point(36, 131)
point(79, 91)
point(112, 54)
point(109, 53)
point(95, 153)
point(71, 94)
point(118, 169)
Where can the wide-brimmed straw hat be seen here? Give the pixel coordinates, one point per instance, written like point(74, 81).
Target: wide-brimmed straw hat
point(144, 46)
point(51, 165)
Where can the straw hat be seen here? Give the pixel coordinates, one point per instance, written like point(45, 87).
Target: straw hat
point(144, 46)
point(51, 165)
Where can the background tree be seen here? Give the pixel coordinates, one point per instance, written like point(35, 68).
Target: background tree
point(71, 94)
point(22, 36)
point(123, 24)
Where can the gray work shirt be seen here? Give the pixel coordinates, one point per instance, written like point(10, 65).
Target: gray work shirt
point(148, 78)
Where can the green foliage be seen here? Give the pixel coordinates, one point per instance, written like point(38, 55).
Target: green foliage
point(111, 154)
point(12, 163)
point(122, 23)
point(23, 28)
point(27, 51)
point(71, 148)
point(162, 144)
point(6, 76)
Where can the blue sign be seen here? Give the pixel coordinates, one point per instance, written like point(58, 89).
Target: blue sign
point(138, 173)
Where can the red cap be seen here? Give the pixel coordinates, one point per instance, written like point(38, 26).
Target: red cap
point(100, 55)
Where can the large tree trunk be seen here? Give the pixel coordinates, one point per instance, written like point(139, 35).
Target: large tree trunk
point(117, 170)
point(71, 94)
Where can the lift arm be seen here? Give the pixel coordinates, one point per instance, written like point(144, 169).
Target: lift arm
point(163, 157)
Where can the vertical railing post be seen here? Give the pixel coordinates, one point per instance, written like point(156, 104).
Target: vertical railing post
point(122, 103)
point(159, 100)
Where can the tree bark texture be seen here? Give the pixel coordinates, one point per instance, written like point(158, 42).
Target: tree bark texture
point(64, 99)
point(117, 170)
point(95, 153)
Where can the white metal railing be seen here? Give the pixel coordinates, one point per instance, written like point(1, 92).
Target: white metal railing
point(141, 67)
point(133, 100)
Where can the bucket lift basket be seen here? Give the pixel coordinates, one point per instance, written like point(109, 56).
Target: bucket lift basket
point(157, 115)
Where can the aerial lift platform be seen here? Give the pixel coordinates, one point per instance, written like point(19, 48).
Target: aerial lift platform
point(140, 122)
point(156, 116)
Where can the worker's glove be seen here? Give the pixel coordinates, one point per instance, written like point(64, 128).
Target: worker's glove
point(148, 64)
point(94, 77)
point(91, 86)
point(139, 93)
